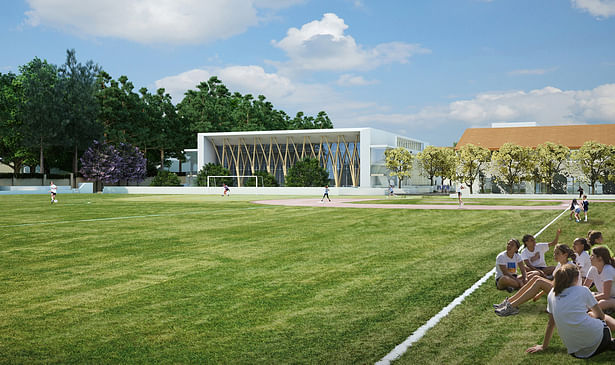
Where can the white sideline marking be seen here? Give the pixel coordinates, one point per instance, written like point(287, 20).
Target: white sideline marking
point(420, 332)
point(120, 218)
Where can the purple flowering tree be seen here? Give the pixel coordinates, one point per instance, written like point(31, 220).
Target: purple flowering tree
point(132, 164)
point(100, 163)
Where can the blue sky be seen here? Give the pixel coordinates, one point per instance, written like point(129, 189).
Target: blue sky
point(426, 69)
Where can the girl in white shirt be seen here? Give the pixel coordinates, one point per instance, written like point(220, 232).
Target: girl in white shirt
point(602, 274)
point(536, 286)
point(581, 247)
point(583, 335)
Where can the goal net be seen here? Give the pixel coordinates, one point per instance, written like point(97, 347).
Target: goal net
point(237, 179)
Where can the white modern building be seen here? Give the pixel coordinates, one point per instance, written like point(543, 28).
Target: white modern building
point(354, 157)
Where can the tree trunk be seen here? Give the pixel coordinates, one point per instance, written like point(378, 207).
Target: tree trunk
point(41, 160)
point(161, 159)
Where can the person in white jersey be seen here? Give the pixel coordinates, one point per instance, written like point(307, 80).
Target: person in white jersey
point(53, 189)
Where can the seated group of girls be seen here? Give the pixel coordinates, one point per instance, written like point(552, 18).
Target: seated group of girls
point(577, 313)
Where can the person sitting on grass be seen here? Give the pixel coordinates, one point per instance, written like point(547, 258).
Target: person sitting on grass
point(602, 274)
point(581, 247)
point(595, 239)
point(536, 286)
point(584, 335)
point(506, 264)
point(534, 255)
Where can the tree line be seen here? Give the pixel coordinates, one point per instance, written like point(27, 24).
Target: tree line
point(50, 115)
point(548, 163)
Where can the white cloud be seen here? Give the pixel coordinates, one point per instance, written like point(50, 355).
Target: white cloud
point(535, 71)
point(354, 80)
point(281, 91)
point(148, 21)
point(547, 106)
point(322, 45)
point(597, 8)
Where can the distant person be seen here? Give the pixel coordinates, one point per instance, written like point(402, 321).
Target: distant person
point(575, 208)
point(580, 190)
point(53, 189)
point(459, 191)
point(391, 192)
point(227, 190)
point(326, 194)
point(584, 334)
point(506, 265)
point(585, 206)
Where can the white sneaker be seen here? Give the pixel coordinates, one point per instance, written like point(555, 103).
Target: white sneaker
point(507, 310)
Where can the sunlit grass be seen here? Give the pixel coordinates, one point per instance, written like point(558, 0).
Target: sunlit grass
point(206, 279)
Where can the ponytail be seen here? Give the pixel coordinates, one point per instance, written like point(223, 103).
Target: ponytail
point(604, 255)
point(593, 236)
point(564, 278)
point(586, 246)
point(564, 249)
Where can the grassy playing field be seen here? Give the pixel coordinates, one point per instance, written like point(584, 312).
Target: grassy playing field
point(206, 279)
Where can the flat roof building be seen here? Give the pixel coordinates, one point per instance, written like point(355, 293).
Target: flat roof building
point(352, 156)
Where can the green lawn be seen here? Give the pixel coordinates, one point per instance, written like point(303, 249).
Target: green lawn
point(206, 279)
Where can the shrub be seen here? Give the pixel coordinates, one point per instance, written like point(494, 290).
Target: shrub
point(307, 172)
point(212, 169)
point(265, 179)
point(165, 178)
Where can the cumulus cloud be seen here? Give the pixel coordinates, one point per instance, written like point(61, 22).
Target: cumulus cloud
point(597, 8)
point(284, 93)
point(322, 45)
point(149, 21)
point(547, 106)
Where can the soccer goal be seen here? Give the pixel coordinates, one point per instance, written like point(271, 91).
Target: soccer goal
point(237, 177)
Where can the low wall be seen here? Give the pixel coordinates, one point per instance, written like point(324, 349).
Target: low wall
point(239, 191)
point(84, 188)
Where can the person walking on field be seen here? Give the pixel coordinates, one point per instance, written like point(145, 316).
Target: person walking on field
point(585, 206)
point(580, 190)
point(53, 189)
point(459, 190)
point(226, 190)
point(326, 194)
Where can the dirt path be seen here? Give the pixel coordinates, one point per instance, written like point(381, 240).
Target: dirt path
point(348, 203)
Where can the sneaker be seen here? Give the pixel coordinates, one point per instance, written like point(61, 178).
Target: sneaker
point(501, 305)
point(507, 310)
point(578, 221)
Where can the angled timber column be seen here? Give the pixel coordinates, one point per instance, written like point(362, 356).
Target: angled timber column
point(333, 158)
point(351, 159)
point(217, 152)
point(249, 156)
point(266, 155)
point(235, 159)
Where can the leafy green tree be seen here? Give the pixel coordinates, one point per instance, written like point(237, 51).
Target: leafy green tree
point(212, 169)
point(448, 167)
point(40, 114)
point(264, 179)
point(593, 158)
point(550, 160)
point(512, 164)
point(165, 178)
point(399, 162)
point(12, 147)
point(306, 172)
point(435, 161)
point(77, 84)
point(471, 162)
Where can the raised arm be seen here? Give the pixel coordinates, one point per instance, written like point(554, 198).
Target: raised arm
point(556, 239)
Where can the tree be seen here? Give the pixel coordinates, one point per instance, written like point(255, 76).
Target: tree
point(12, 147)
point(434, 161)
point(79, 107)
point(550, 160)
point(100, 163)
point(306, 172)
point(471, 161)
point(399, 162)
point(511, 165)
point(212, 169)
point(593, 158)
point(132, 163)
point(40, 117)
point(264, 179)
point(449, 164)
point(165, 178)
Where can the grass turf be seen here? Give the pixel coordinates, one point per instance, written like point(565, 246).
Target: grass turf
point(201, 279)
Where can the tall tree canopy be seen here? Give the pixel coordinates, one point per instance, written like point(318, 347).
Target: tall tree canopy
point(399, 162)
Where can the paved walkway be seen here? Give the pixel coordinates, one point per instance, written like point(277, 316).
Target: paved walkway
point(348, 203)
